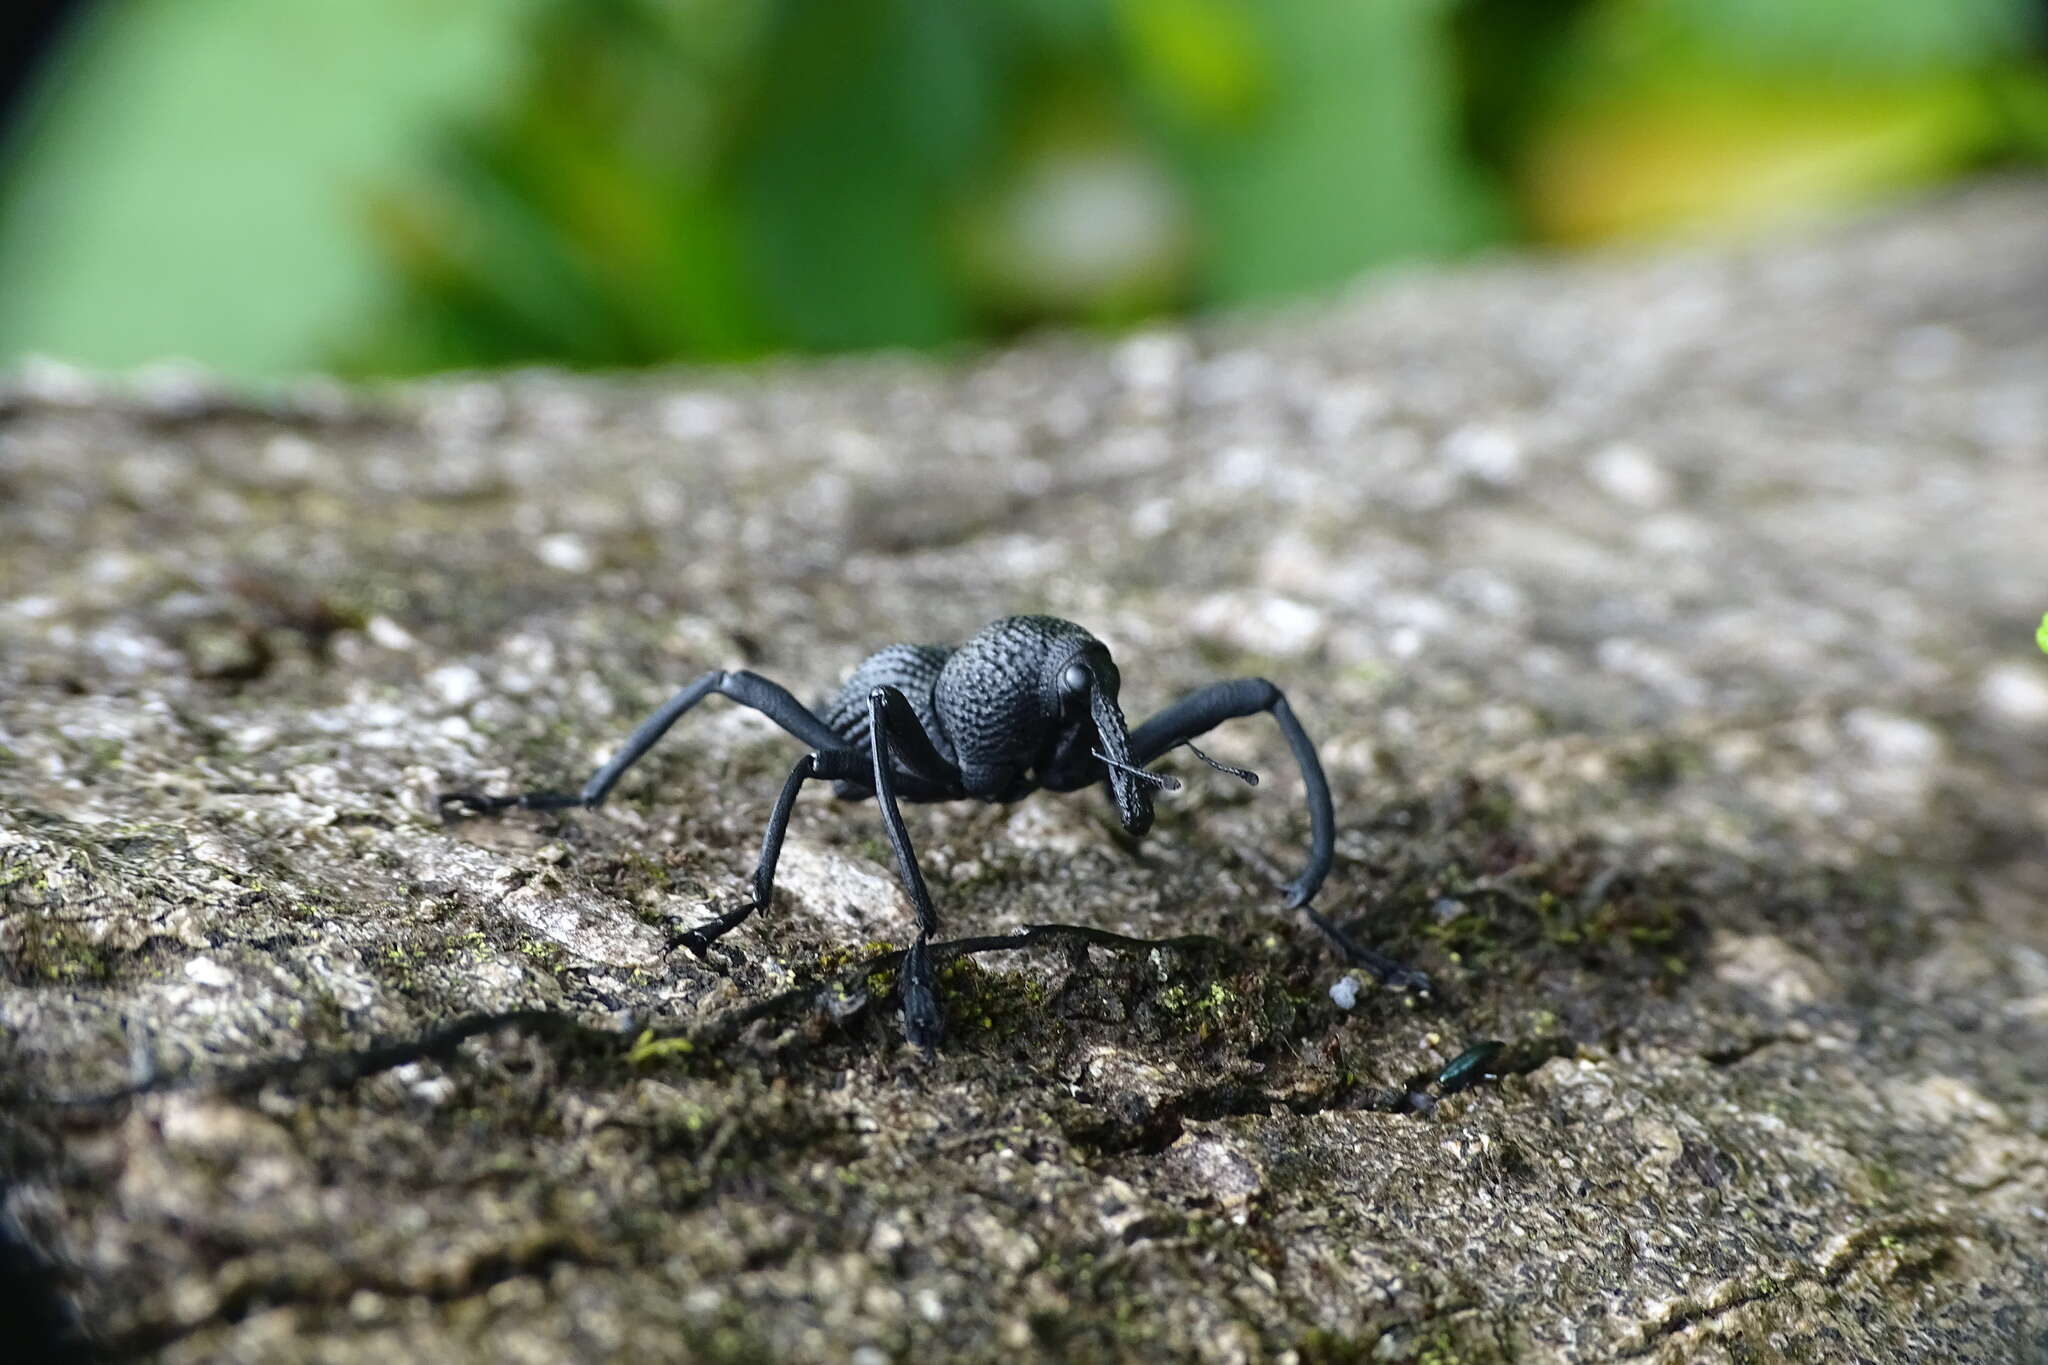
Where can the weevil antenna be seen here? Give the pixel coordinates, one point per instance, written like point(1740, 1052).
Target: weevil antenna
point(1159, 780)
point(1244, 775)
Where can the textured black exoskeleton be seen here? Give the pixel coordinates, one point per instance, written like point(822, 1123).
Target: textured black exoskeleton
point(1030, 702)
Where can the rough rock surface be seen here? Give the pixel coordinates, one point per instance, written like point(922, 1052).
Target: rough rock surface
point(1666, 626)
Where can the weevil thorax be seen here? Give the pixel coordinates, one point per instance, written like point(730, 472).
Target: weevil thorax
point(1010, 705)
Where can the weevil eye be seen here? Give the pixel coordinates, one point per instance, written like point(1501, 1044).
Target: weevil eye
point(1075, 680)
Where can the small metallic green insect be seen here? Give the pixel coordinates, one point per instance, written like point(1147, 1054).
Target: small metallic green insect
point(1470, 1066)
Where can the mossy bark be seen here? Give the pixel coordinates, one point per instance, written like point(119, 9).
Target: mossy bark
point(1666, 628)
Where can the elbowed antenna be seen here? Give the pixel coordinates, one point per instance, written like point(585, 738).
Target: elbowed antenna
point(1162, 781)
point(1244, 775)
point(1167, 783)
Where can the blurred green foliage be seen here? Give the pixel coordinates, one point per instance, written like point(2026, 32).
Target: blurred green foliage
point(189, 179)
point(717, 180)
point(1663, 115)
point(636, 181)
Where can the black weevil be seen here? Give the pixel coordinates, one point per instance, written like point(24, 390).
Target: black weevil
point(1028, 703)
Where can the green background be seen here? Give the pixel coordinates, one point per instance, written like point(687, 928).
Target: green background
point(276, 186)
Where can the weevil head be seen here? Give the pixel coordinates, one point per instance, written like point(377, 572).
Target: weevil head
point(1000, 703)
point(1037, 694)
point(1089, 685)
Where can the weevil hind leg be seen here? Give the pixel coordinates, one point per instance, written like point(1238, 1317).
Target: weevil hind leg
point(751, 690)
point(894, 732)
point(1384, 969)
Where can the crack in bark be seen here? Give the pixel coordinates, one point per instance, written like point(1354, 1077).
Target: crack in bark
point(1742, 1051)
point(34, 1316)
point(1837, 1267)
point(285, 1288)
point(2011, 1177)
point(1166, 1122)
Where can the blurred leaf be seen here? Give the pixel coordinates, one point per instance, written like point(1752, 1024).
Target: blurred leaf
point(1514, 57)
point(1204, 59)
point(1355, 160)
point(718, 178)
point(1668, 115)
point(863, 114)
point(1065, 28)
point(1836, 38)
point(1085, 222)
point(1736, 155)
point(2018, 96)
point(190, 172)
point(586, 222)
